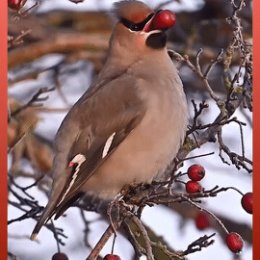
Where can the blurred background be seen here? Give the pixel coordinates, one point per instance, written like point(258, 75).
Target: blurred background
point(56, 49)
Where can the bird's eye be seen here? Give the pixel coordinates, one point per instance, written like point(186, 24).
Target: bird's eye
point(136, 26)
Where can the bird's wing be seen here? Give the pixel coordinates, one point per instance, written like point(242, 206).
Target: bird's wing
point(96, 155)
point(93, 129)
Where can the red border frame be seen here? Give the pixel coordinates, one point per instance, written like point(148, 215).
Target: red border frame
point(3, 127)
point(256, 129)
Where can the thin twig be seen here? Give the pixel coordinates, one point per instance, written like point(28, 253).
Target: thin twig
point(35, 99)
point(102, 241)
point(149, 251)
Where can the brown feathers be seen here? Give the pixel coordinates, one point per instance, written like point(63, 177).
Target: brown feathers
point(131, 10)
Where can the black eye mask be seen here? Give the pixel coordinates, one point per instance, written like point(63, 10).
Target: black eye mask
point(136, 26)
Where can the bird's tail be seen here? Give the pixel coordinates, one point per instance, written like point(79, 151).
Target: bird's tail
point(50, 208)
point(46, 215)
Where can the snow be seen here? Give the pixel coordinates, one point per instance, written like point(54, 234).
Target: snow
point(95, 5)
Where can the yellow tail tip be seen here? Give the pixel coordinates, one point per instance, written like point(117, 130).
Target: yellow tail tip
point(33, 236)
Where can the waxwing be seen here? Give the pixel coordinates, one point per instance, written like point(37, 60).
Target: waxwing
point(128, 126)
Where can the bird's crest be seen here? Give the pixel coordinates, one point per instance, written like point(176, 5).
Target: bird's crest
point(132, 10)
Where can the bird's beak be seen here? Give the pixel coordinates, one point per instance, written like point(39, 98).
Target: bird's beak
point(162, 20)
point(148, 25)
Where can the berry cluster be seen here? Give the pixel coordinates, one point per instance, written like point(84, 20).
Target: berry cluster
point(196, 173)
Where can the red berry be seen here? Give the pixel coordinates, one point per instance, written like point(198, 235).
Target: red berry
point(247, 202)
point(202, 221)
point(196, 172)
point(16, 4)
point(163, 20)
point(111, 257)
point(59, 256)
point(234, 242)
point(193, 187)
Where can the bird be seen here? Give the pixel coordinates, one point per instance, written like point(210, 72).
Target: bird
point(129, 124)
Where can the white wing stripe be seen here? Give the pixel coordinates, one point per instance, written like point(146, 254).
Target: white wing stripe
point(79, 159)
point(108, 145)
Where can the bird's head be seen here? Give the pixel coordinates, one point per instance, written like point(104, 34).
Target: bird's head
point(139, 28)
